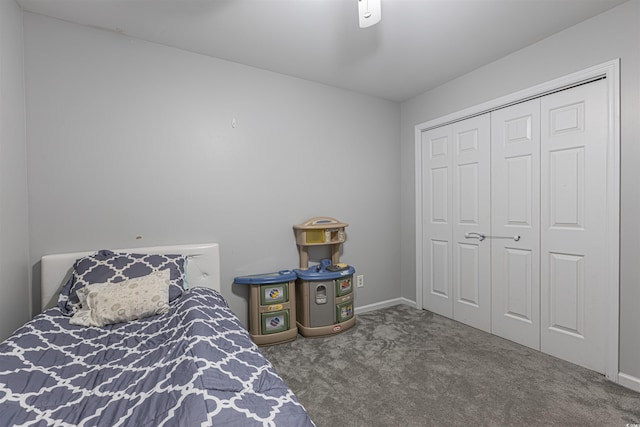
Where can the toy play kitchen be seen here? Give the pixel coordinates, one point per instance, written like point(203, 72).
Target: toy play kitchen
point(324, 292)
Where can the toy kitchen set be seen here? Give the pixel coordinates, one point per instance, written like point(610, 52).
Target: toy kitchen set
point(315, 301)
point(324, 292)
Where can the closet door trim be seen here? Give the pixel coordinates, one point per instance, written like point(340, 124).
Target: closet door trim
point(610, 71)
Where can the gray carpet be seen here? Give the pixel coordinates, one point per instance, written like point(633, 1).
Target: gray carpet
point(405, 367)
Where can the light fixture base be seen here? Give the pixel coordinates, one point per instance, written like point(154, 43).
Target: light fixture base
point(369, 12)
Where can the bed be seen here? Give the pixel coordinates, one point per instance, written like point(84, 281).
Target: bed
point(189, 363)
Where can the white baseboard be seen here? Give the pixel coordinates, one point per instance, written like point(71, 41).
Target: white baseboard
point(384, 304)
point(629, 381)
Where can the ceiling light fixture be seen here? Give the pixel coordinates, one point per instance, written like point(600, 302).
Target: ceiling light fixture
point(369, 12)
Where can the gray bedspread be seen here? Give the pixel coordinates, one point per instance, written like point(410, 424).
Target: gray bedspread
point(194, 366)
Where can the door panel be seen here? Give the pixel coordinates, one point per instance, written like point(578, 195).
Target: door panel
point(436, 241)
point(468, 188)
point(519, 198)
point(566, 294)
point(566, 192)
point(440, 195)
point(439, 265)
point(468, 287)
point(472, 213)
point(515, 190)
point(519, 289)
point(574, 225)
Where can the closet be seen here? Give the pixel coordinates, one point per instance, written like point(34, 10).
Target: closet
point(515, 222)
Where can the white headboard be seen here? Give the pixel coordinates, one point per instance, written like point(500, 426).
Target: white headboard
point(203, 267)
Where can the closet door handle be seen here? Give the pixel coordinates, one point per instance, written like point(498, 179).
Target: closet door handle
point(478, 236)
point(481, 237)
point(515, 238)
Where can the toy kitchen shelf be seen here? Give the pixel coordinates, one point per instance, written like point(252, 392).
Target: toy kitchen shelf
point(320, 231)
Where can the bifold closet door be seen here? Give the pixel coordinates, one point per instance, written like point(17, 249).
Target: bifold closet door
point(532, 179)
point(456, 201)
point(515, 255)
point(549, 188)
point(574, 203)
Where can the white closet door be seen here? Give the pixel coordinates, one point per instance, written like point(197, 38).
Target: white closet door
point(515, 188)
point(574, 225)
point(437, 220)
point(472, 214)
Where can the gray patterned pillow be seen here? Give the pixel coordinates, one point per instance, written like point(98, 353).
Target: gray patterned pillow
point(111, 267)
point(108, 303)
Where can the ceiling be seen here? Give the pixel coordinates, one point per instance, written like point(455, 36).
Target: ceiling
point(418, 45)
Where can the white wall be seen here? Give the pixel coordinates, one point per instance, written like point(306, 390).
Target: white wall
point(127, 138)
point(14, 270)
point(613, 34)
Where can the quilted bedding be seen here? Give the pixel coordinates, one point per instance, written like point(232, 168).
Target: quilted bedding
point(193, 366)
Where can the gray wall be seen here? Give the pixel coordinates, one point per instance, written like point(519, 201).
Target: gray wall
point(127, 138)
point(14, 271)
point(614, 34)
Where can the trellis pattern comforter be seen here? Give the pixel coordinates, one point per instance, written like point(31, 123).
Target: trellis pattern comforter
point(193, 366)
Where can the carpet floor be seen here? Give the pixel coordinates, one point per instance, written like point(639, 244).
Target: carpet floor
point(400, 366)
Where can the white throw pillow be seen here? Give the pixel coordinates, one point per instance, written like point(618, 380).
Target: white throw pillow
point(106, 303)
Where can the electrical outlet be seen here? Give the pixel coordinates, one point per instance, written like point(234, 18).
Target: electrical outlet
point(360, 281)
